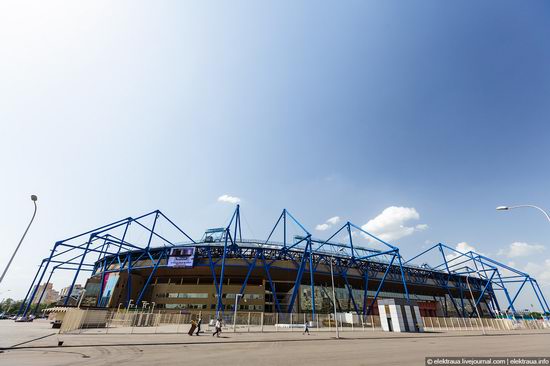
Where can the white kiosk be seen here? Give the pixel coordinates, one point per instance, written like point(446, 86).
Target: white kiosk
point(398, 316)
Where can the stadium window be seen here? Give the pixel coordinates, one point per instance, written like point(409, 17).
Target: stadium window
point(193, 295)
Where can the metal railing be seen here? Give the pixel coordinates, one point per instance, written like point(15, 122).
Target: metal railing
point(80, 321)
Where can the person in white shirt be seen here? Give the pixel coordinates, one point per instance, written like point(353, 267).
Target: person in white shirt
point(306, 328)
point(218, 327)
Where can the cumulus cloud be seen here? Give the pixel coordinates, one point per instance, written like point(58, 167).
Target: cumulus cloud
point(521, 249)
point(328, 223)
point(541, 272)
point(322, 227)
point(391, 224)
point(462, 247)
point(229, 199)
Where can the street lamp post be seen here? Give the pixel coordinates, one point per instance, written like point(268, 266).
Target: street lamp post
point(81, 297)
point(474, 302)
point(334, 300)
point(33, 199)
point(508, 208)
point(235, 311)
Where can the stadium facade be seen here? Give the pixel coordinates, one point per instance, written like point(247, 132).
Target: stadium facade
point(292, 274)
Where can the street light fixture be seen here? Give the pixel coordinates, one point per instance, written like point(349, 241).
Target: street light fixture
point(508, 208)
point(33, 199)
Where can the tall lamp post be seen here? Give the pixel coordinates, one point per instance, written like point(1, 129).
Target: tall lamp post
point(235, 311)
point(334, 300)
point(33, 199)
point(474, 302)
point(334, 295)
point(508, 208)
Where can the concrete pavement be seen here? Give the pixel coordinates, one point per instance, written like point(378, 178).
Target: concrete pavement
point(357, 348)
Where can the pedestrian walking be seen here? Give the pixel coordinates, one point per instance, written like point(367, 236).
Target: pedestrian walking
point(192, 329)
point(306, 328)
point(218, 327)
point(199, 326)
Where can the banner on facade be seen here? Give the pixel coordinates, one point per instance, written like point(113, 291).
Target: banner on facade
point(109, 283)
point(181, 257)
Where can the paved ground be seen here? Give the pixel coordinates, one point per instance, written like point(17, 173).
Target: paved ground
point(282, 348)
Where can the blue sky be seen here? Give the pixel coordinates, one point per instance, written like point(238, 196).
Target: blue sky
point(328, 109)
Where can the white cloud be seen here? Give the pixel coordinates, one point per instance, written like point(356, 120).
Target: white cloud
point(229, 199)
point(462, 247)
point(328, 224)
point(322, 227)
point(521, 249)
point(391, 225)
point(540, 272)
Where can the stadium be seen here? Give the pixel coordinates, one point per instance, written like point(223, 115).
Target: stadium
point(150, 261)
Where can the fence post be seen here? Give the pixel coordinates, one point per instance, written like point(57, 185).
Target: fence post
point(157, 322)
point(133, 323)
point(276, 321)
point(180, 321)
point(262, 322)
point(317, 322)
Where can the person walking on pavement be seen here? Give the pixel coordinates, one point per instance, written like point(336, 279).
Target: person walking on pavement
point(192, 329)
point(199, 326)
point(306, 328)
point(218, 327)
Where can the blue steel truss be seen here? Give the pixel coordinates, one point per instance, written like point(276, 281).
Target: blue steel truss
point(106, 241)
point(113, 249)
point(490, 276)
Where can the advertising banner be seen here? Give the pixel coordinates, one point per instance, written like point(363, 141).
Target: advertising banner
point(181, 257)
point(109, 284)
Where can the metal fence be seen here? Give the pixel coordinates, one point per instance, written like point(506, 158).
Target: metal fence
point(501, 324)
point(79, 321)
